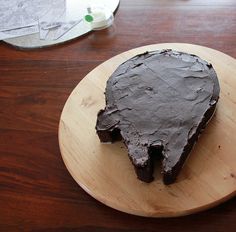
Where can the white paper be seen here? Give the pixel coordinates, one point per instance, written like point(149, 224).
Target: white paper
point(51, 18)
point(56, 23)
point(23, 13)
point(19, 32)
point(65, 27)
point(54, 16)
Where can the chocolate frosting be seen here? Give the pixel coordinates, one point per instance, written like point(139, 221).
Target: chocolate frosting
point(158, 102)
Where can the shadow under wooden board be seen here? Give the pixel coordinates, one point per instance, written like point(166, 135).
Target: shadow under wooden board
point(104, 170)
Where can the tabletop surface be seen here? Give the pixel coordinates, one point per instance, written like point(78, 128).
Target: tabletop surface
point(36, 191)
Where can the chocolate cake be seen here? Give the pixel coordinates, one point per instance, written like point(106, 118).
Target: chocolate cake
point(158, 103)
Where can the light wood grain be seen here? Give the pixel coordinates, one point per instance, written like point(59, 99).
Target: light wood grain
point(104, 170)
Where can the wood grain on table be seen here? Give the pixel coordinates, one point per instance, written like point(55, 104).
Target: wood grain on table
point(36, 191)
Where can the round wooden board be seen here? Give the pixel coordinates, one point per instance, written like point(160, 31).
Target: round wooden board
point(105, 171)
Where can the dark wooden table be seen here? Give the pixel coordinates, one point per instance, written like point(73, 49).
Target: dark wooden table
point(36, 191)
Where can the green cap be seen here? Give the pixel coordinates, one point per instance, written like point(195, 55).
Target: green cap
point(88, 18)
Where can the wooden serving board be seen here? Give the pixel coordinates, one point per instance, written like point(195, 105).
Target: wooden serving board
point(105, 171)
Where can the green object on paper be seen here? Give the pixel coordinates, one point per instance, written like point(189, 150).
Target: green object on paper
point(89, 18)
